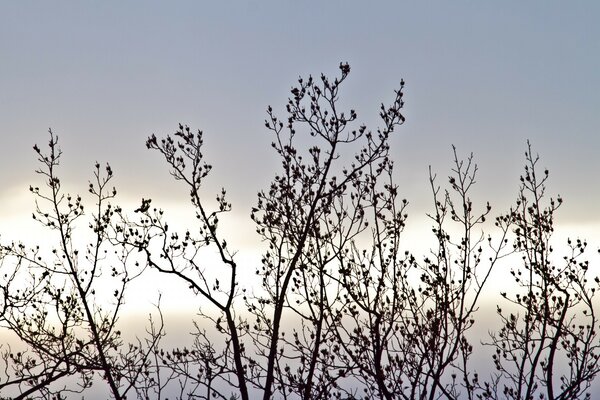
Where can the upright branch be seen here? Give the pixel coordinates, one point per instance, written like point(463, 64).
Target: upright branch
point(548, 344)
point(66, 323)
point(179, 255)
point(309, 214)
point(405, 323)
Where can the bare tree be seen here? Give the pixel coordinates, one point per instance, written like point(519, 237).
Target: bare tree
point(548, 344)
point(310, 214)
point(406, 324)
point(342, 309)
point(341, 306)
point(52, 297)
point(209, 370)
point(303, 218)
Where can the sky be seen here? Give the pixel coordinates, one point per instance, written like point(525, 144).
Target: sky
point(483, 76)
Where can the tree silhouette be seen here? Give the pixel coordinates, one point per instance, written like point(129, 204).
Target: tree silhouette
point(342, 307)
point(547, 347)
point(58, 302)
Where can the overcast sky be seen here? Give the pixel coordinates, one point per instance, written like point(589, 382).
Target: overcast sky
point(484, 76)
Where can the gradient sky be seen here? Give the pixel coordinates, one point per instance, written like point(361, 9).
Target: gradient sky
point(485, 76)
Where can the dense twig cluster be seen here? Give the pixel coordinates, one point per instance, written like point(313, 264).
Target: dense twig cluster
point(341, 307)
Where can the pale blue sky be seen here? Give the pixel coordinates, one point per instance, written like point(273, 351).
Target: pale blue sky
point(482, 75)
